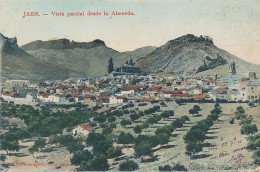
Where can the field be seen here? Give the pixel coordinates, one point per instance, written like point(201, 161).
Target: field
point(222, 148)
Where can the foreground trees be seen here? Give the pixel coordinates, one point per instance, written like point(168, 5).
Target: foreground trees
point(196, 135)
point(128, 166)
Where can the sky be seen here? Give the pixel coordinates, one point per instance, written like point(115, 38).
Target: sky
point(234, 25)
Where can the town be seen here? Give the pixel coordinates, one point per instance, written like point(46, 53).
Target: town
point(127, 84)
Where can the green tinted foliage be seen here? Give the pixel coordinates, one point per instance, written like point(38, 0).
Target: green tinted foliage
point(125, 138)
point(249, 129)
point(81, 157)
point(98, 163)
point(128, 166)
point(194, 147)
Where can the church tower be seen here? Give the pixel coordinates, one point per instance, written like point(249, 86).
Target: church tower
point(232, 68)
point(110, 66)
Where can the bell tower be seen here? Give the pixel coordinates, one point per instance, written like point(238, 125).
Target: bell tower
point(232, 68)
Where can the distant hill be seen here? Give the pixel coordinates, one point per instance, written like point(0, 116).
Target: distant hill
point(18, 64)
point(189, 55)
point(90, 58)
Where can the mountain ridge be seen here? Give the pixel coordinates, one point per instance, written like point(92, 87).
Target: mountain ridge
point(186, 54)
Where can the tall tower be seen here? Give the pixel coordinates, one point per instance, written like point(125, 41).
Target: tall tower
point(110, 66)
point(131, 61)
point(232, 68)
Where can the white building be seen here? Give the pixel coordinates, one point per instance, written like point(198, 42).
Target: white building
point(83, 129)
point(117, 99)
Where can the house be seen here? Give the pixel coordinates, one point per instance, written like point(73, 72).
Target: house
point(222, 94)
point(197, 90)
point(117, 99)
point(130, 90)
point(90, 100)
point(77, 97)
point(104, 98)
point(83, 129)
point(253, 90)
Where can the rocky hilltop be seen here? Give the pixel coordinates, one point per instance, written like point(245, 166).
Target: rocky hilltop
point(188, 55)
point(61, 44)
point(7, 43)
point(18, 64)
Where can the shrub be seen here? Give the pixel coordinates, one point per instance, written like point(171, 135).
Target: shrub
point(165, 168)
point(165, 129)
point(231, 121)
point(249, 129)
point(98, 163)
point(256, 157)
point(134, 116)
point(245, 121)
point(125, 122)
point(81, 157)
point(138, 129)
point(111, 119)
point(196, 108)
point(240, 109)
point(128, 166)
point(114, 152)
point(179, 167)
point(125, 138)
point(142, 146)
point(254, 141)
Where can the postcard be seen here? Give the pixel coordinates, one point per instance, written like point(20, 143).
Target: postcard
point(133, 85)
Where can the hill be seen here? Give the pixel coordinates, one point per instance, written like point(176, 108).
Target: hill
point(90, 58)
point(189, 55)
point(18, 64)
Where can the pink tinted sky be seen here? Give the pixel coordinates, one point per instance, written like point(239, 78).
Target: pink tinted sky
point(233, 24)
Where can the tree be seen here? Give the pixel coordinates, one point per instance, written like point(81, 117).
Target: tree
point(114, 152)
point(216, 106)
point(192, 111)
point(134, 116)
point(128, 165)
point(9, 142)
point(249, 129)
point(254, 141)
point(196, 108)
point(251, 104)
point(125, 122)
point(33, 149)
point(138, 129)
point(94, 138)
point(240, 109)
point(111, 119)
point(164, 138)
point(81, 157)
point(194, 147)
point(40, 143)
point(98, 163)
point(102, 147)
point(125, 138)
point(195, 135)
point(10, 145)
point(165, 129)
point(256, 157)
point(74, 146)
point(143, 148)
